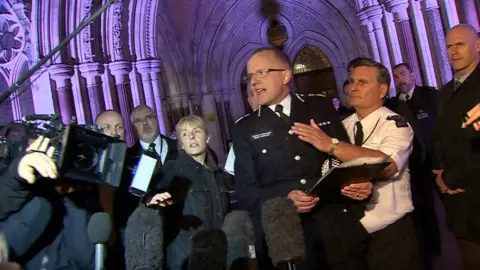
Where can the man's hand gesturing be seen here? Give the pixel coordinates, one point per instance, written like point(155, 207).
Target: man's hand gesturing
point(38, 158)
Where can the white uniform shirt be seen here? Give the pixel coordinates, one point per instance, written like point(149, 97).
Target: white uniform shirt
point(391, 198)
point(161, 147)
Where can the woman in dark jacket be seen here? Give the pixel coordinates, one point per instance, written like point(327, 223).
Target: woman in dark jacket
point(196, 186)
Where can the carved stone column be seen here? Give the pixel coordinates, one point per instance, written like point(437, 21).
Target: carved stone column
point(62, 75)
point(212, 122)
point(406, 38)
point(434, 22)
point(469, 12)
point(375, 14)
point(367, 28)
point(120, 70)
point(219, 102)
point(149, 70)
point(91, 72)
point(227, 108)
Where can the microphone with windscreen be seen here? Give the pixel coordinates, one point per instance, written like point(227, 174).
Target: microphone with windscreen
point(238, 228)
point(144, 240)
point(99, 230)
point(209, 250)
point(283, 232)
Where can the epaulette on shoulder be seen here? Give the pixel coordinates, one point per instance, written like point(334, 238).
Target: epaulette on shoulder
point(303, 97)
point(242, 118)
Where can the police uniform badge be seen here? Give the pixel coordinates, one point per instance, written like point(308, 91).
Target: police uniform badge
point(399, 121)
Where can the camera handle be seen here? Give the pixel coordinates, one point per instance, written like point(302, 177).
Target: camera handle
point(4, 96)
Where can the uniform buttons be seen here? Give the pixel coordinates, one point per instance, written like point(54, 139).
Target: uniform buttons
point(303, 181)
point(290, 132)
point(297, 157)
point(264, 151)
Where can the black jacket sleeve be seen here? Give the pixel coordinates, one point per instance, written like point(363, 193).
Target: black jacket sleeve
point(14, 191)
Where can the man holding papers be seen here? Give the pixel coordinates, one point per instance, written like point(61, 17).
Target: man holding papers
point(375, 131)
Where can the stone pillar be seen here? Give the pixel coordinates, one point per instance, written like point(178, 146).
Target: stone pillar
point(227, 108)
point(121, 69)
point(375, 14)
point(210, 115)
point(450, 10)
point(62, 75)
point(406, 38)
point(370, 34)
point(91, 72)
point(392, 38)
point(80, 97)
point(42, 93)
point(219, 101)
point(469, 12)
point(149, 70)
point(434, 22)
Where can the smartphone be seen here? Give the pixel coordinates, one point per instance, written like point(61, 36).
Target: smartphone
point(143, 175)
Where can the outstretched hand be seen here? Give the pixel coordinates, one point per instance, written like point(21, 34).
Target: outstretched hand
point(38, 159)
point(313, 135)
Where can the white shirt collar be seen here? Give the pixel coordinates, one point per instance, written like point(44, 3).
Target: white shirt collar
point(370, 121)
point(286, 103)
point(464, 77)
point(157, 143)
point(410, 93)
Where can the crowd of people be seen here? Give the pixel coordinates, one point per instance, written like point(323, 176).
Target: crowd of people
point(430, 139)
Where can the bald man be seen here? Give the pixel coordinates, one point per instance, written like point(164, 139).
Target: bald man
point(111, 123)
point(457, 148)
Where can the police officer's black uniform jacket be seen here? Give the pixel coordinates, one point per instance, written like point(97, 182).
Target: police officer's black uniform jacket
point(458, 150)
point(271, 161)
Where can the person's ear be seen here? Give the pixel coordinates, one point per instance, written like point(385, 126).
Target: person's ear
point(383, 90)
point(287, 77)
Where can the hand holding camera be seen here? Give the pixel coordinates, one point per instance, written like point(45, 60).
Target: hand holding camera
point(38, 159)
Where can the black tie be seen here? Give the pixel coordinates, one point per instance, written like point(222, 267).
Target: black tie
point(279, 110)
point(407, 98)
point(151, 149)
point(456, 85)
point(359, 134)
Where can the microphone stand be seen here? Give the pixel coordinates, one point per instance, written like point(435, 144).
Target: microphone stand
point(60, 46)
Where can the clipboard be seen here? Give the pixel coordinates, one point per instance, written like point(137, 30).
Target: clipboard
point(354, 171)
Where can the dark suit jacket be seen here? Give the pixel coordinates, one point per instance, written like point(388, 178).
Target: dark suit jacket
point(423, 107)
point(125, 203)
point(271, 162)
point(458, 150)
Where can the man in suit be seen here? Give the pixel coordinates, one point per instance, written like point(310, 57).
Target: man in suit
point(145, 122)
point(457, 148)
point(422, 103)
point(271, 161)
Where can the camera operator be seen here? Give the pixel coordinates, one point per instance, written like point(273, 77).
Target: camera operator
point(43, 229)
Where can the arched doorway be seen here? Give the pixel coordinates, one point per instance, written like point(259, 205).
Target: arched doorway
point(313, 73)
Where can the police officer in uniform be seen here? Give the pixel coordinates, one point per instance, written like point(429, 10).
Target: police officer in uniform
point(375, 131)
point(271, 161)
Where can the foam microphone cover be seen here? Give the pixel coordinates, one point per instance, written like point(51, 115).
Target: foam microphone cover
point(209, 250)
point(240, 237)
point(99, 228)
point(283, 231)
point(144, 240)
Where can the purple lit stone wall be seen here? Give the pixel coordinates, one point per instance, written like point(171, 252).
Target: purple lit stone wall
point(188, 55)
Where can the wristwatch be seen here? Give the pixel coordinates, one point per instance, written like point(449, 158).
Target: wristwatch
point(335, 142)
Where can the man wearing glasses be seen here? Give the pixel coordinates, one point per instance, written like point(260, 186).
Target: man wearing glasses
point(145, 122)
point(272, 161)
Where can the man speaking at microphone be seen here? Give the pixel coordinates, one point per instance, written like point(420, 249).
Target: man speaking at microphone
point(273, 162)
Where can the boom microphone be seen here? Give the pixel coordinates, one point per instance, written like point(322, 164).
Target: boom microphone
point(283, 232)
point(238, 228)
point(209, 250)
point(99, 230)
point(144, 240)
point(41, 117)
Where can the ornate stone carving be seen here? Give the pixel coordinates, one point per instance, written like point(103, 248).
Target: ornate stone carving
point(12, 38)
point(86, 32)
point(148, 25)
point(117, 31)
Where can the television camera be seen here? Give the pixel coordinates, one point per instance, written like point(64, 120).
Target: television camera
point(82, 152)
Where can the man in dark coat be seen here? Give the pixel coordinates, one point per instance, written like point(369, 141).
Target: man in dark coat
point(145, 122)
point(457, 148)
point(422, 103)
point(273, 162)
